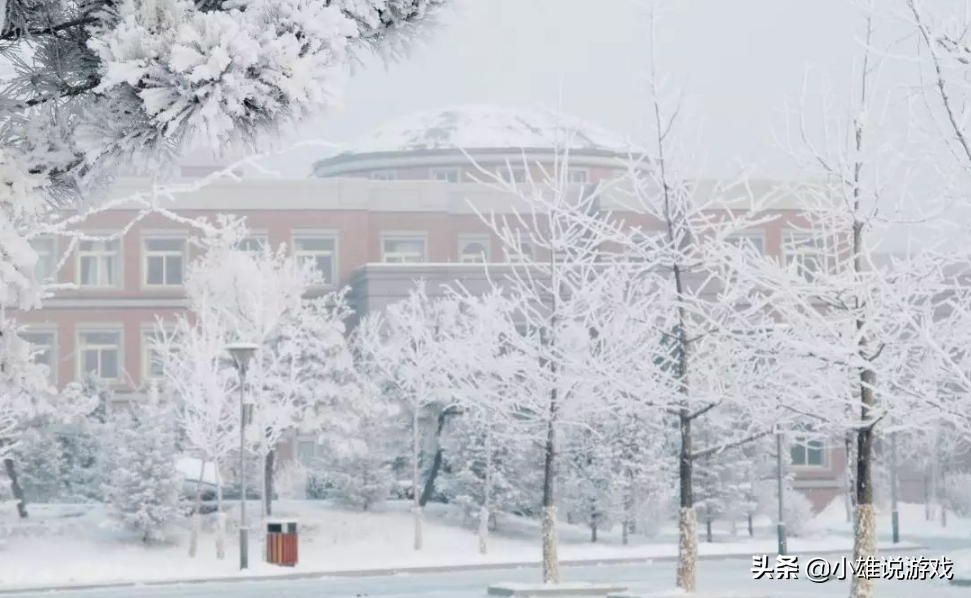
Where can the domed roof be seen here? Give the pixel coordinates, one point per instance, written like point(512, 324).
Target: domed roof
point(480, 126)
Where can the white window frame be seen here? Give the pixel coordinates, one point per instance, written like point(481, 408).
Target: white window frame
point(330, 235)
point(119, 263)
point(164, 254)
point(757, 235)
point(384, 175)
point(52, 253)
point(147, 336)
point(803, 439)
point(457, 172)
point(510, 176)
point(526, 257)
point(584, 171)
point(261, 237)
point(52, 348)
point(303, 441)
point(79, 349)
point(483, 240)
point(791, 250)
point(403, 236)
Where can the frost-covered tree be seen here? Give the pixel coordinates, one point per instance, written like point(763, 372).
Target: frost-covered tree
point(27, 400)
point(143, 489)
point(405, 352)
point(856, 324)
point(357, 468)
point(486, 476)
point(256, 297)
point(192, 355)
point(553, 233)
point(590, 484)
point(329, 388)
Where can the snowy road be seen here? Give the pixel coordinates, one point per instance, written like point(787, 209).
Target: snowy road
point(732, 576)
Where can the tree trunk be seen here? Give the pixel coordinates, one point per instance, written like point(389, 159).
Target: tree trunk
point(942, 496)
point(195, 523)
point(15, 488)
point(687, 520)
point(484, 530)
point(269, 464)
point(751, 529)
point(708, 538)
point(551, 564)
point(927, 496)
point(486, 494)
point(628, 522)
point(864, 536)
point(593, 531)
point(849, 500)
point(220, 516)
point(416, 503)
point(429, 490)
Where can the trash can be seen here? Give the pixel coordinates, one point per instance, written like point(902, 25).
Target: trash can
point(281, 543)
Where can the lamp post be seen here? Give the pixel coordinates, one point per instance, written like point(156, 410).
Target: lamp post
point(242, 353)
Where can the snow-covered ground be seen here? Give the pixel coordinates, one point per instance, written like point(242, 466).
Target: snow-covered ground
point(64, 544)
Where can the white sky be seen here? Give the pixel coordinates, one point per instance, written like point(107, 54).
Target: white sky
point(736, 59)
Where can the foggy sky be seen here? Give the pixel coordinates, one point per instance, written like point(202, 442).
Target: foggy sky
point(736, 60)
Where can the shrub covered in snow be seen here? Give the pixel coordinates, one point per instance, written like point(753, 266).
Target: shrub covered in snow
point(143, 489)
point(957, 493)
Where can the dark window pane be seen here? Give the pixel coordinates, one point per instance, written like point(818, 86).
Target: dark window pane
point(155, 273)
point(109, 363)
point(173, 269)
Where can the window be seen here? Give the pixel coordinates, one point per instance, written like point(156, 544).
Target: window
point(578, 176)
point(809, 253)
point(474, 249)
point(808, 451)
point(44, 349)
point(99, 353)
point(307, 452)
point(46, 259)
point(319, 252)
point(151, 361)
point(384, 175)
point(99, 263)
point(749, 242)
point(446, 175)
point(163, 262)
point(516, 175)
point(526, 253)
point(403, 250)
point(256, 244)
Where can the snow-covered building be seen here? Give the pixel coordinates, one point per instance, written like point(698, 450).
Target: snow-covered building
point(396, 206)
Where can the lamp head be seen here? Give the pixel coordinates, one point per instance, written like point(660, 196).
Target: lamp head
point(241, 353)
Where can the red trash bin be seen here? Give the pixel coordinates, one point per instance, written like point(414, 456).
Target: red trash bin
point(281, 543)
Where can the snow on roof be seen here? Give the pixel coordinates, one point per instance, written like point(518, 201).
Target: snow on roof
point(480, 126)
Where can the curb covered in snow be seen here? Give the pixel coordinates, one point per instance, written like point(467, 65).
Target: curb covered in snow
point(395, 571)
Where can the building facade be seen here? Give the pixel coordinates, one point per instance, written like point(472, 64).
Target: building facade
point(399, 206)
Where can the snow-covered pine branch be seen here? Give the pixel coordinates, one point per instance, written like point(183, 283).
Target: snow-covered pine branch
point(180, 71)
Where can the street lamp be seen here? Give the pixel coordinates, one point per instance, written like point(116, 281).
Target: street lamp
point(242, 353)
